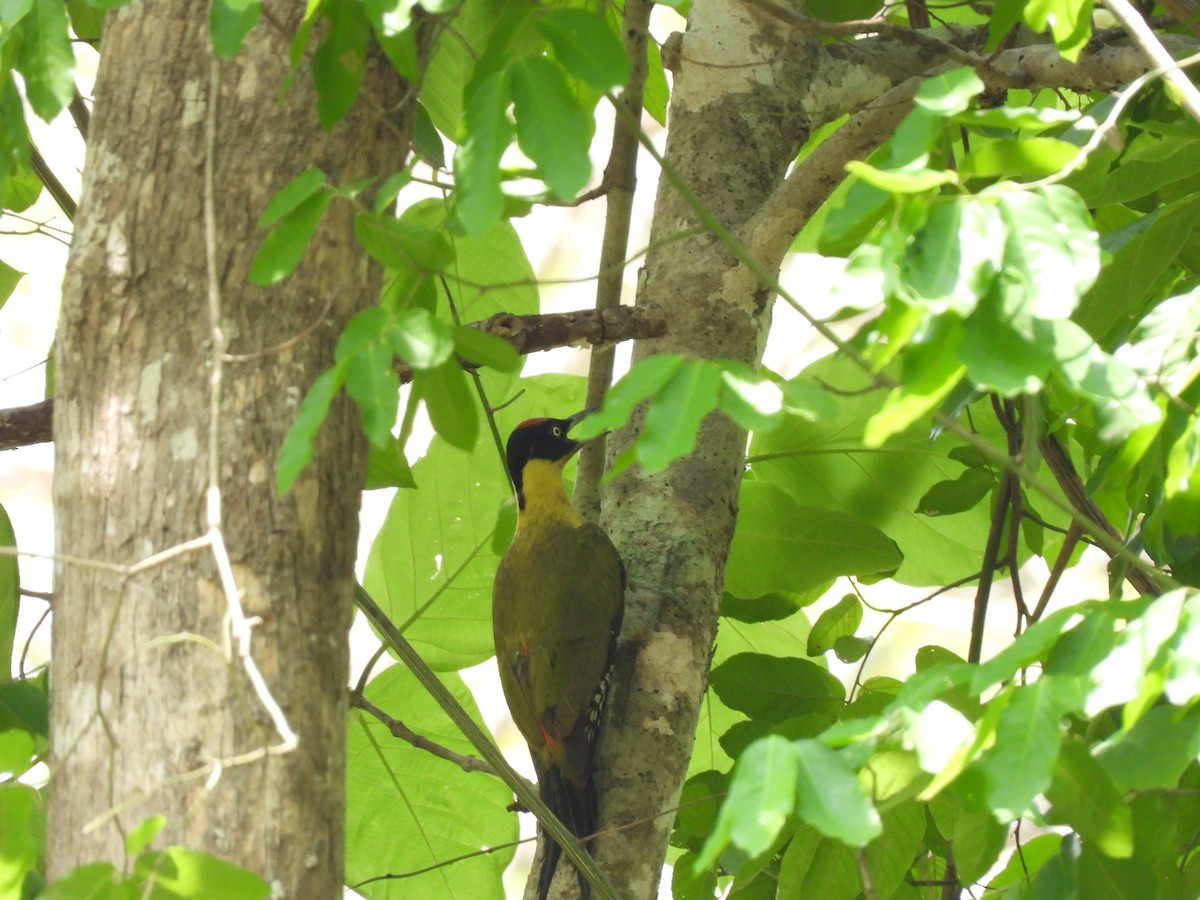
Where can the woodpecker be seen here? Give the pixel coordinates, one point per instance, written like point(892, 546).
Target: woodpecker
point(557, 604)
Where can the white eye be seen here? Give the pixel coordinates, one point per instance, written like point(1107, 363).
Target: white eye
point(556, 431)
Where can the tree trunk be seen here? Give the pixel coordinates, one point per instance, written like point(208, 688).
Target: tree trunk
point(733, 133)
point(146, 693)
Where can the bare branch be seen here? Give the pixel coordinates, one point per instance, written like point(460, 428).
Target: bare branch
point(22, 426)
point(1187, 95)
point(399, 730)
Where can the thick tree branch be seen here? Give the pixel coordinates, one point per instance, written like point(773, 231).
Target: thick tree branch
point(25, 425)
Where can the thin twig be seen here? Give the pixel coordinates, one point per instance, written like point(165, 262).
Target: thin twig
point(1186, 94)
point(399, 730)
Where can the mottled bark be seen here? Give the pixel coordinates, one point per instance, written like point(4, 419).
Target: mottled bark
point(735, 125)
point(145, 690)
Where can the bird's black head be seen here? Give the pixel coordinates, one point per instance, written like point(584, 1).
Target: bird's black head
point(544, 439)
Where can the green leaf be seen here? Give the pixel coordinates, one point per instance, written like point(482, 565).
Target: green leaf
point(24, 705)
point(888, 857)
point(403, 243)
point(1052, 248)
point(450, 402)
point(297, 448)
point(372, 382)
point(1070, 23)
point(913, 180)
point(339, 62)
point(420, 339)
point(750, 399)
point(553, 128)
point(673, 419)
point(1154, 752)
point(178, 872)
point(959, 495)
point(387, 467)
point(815, 866)
point(487, 132)
point(408, 811)
point(230, 21)
point(950, 92)
point(95, 881)
point(779, 545)
point(20, 810)
point(954, 257)
point(44, 58)
point(586, 47)
point(17, 752)
point(1120, 879)
point(645, 378)
point(283, 248)
point(291, 195)
point(143, 833)
point(830, 798)
point(1029, 157)
point(1083, 796)
point(486, 349)
point(1027, 649)
point(10, 587)
point(1028, 737)
point(840, 620)
point(850, 649)
point(762, 792)
point(772, 689)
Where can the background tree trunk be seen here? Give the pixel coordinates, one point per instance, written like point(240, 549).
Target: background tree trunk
point(143, 693)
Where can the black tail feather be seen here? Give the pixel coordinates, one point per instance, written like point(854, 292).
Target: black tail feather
point(576, 807)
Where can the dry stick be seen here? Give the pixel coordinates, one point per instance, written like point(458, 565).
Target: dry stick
point(1187, 95)
point(524, 792)
point(620, 180)
point(55, 187)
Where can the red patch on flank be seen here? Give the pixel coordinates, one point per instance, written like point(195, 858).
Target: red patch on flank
point(551, 740)
point(525, 649)
point(529, 423)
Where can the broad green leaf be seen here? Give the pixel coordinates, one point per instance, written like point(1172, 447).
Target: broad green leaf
point(1027, 649)
point(143, 833)
point(291, 195)
point(297, 448)
point(850, 649)
point(959, 495)
point(44, 58)
point(431, 566)
point(1028, 737)
point(24, 705)
point(1119, 879)
point(645, 378)
point(283, 248)
point(823, 463)
point(673, 419)
point(832, 873)
point(178, 872)
point(19, 812)
point(954, 257)
point(372, 382)
point(387, 467)
point(407, 810)
point(485, 349)
point(975, 835)
point(840, 620)
point(402, 243)
point(230, 21)
point(755, 402)
point(914, 180)
point(1018, 117)
point(1121, 675)
point(17, 751)
point(830, 798)
point(771, 688)
point(1029, 157)
point(950, 92)
point(450, 402)
point(426, 141)
point(553, 128)
point(1083, 796)
point(1051, 250)
point(779, 545)
point(1023, 866)
point(586, 47)
point(1069, 21)
point(487, 132)
point(10, 587)
point(365, 328)
point(94, 881)
point(339, 62)
point(888, 857)
point(1153, 753)
point(762, 793)
point(779, 638)
point(420, 339)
